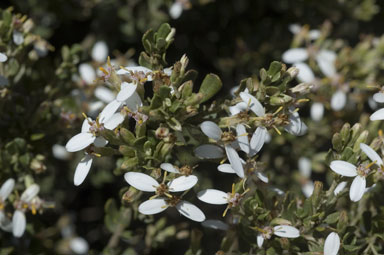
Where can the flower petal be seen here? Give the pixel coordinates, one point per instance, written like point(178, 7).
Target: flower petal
point(339, 188)
point(79, 142)
point(176, 10)
point(100, 141)
point(332, 244)
point(235, 160)
point(5, 222)
point(169, 168)
point(104, 94)
point(100, 51)
point(134, 102)
point(30, 193)
point(213, 196)
point(258, 140)
point(18, 223)
point(377, 115)
point(239, 107)
point(308, 188)
point(141, 181)
point(372, 155)
point(215, 224)
point(6, 189)
point(242, 138)
point(79, 245)
point(87, 73)
point(127, 90)
point(82, 169)
point(305, 166)
point(357, 189)
point(294, 126)
point(190, 211)
point(3, 57)
point(85, 126)
point(305, 73)
point(343, 168)
point(286, 231)
point(338, 100)
point(262, 177)
point(295, 55)
point(226, 168)
point(379, 97)
point(114, 121)
point(182, 183)
point(254, 104)
point(317, 111)
point(208, 151)
point(211, 130)
point(326, 61)
point(153, 206)
point(109, 110)
point(260, 240)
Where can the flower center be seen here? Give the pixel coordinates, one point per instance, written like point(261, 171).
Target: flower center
point(186, 170)
point(267, 232)
point(234, 199)
point(161, 189)
point(363, 170)
point(173, 201)
point(228, 137)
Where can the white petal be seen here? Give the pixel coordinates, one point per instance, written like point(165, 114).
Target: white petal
point(379, 97)
point(254, 104)
point(190, 211)
point(242, 138)
point(372, 155)
point(134, 69)
point(30, 193)
point(100, 51)
point(260, 240)
point(372, 103)
point(153, 206)
point(294, 28)
point(79, 245)
point(60, 152)
point(104, 94)
point(258, 140)
point(239, 107)
point(226, 168)
point(215, 224)
point(85, 126)
point(338, 100)
point(100, 141)
point(127, 90)
point(109, 110)
point(6, 189)
point(176, 10)
point(235, 160)
point(339, 188)
point(295, 55)
point(377, 115)
point(308, 188)
point(114, 121)
point(18, 37)
point(305, 73)
point(141, 181)
point(5, 223)
point(332, 244)
point(168, 71)
point(213, 196)
point(262, 177)
point(317, 111)
point(79, 142)
point(303, 129)
point(326, 61)
point(314, 34)
point(286, 231)
point(294, 126)
point(134, 102)
point(343, 168)
point(3, 57)
point(18, 223)
point(357, 189)
point(182, 183)
point(209, 151)
point(87, 73)
point(211, 130)
point(82, 170)
point(169, 168)
point(305, 167)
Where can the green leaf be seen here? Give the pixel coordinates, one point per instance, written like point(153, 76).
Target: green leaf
point(210, 86)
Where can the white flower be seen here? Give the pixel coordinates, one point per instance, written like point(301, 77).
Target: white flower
point(208, 151)
point(5, 191)
point(313, 34)
point(90, 129)
point(317, 111)
point(19, 221)
point(344, 168)
point(3, 57)
point(158, 205)
point(213, 131)
point(332, 244)
point(338, 100)
point(87, 73)
point(100, 51)
point(305, 72)
point(305, 167)
point(379, 97)
point(281, 231)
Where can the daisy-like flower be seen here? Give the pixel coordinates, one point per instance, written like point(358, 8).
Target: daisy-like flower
point(218, 197)
point(19, 221)
point(358, 186)
point(90, 130)
point(280, 231)
point(332, 244)
point(213, 131)
point(5, 190)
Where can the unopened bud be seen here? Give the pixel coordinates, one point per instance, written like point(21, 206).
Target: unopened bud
point(302, 88)
point(170, 35)
point(162, 132)
point(130, 195)
point(293, 71)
